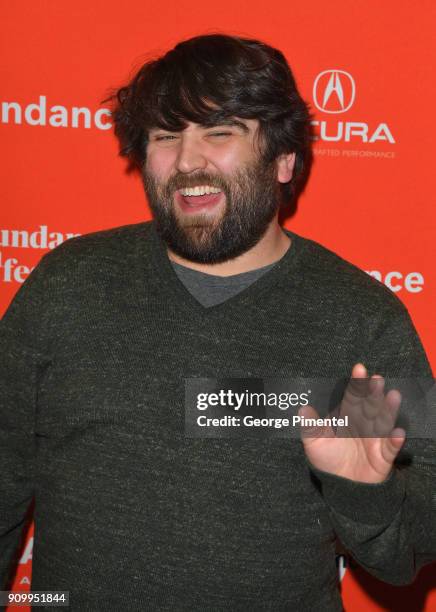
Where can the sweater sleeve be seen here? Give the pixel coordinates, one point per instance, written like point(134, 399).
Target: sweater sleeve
point(390, 527)
point(21, 363)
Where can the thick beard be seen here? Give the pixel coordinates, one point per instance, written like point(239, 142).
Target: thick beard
point(251, 202)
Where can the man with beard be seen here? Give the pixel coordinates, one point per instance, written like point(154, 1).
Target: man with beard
point(100, 341)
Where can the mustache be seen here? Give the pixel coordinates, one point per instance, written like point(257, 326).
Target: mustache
point(184, 182)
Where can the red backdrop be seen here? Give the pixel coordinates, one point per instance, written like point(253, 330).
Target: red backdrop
point(365, 69)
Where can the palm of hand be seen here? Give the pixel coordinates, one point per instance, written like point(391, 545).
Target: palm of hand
point(365, 450)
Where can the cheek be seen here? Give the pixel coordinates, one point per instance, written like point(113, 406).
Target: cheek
point(158, 164)
point(232, 159)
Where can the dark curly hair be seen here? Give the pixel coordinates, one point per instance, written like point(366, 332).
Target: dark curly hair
point(206, 80)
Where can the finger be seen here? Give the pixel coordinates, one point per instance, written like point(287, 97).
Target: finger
point(393, 401)
point(375, 399)
point(392, 404)
point(357, 386)
point(376, 385)
point(391, 446)
point(359, 371)
point(385, 421)
point(373, 405)
point(398, 437)
point(362, 401)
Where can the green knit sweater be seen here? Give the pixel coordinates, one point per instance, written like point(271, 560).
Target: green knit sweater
point(132, 515)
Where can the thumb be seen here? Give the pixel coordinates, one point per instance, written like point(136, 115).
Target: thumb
point(393, 444)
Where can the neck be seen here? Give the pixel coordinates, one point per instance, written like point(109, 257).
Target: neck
point(270, 248)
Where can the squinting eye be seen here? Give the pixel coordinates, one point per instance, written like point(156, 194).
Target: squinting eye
point(220, 134)
point(164, 137)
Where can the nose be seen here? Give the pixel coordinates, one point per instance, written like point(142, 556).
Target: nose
point(190, 155)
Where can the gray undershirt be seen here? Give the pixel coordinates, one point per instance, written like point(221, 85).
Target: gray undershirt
point(210, 289)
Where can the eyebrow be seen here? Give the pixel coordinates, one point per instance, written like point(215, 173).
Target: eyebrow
point(229, 121)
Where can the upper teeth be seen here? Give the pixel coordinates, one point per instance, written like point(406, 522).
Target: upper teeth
point(200, 190)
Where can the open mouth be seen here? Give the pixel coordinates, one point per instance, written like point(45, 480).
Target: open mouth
point(194, 198)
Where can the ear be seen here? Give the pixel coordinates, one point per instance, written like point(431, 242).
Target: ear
point(285, 167)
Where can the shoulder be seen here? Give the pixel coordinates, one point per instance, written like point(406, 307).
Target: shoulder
point(104, 243)
point(344, 296)
point(341, 284)
point(109, 249)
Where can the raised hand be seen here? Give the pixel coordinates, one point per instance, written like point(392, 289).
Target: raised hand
point(365, 450)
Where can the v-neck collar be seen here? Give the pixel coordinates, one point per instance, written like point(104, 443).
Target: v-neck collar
point(154, 249)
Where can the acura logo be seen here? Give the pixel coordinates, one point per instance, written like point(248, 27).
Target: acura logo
point(334, 91)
